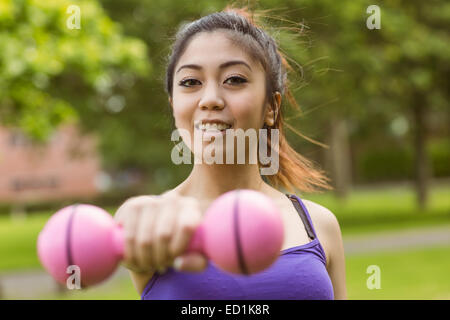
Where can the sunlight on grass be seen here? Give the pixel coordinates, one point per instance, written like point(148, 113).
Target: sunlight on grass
point(18, 238)
point(386, 209)
point(366, 211)
point(418, 274)
point(121, 289)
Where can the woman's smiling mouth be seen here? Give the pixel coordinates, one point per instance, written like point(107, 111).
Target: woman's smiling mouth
point(212, 125)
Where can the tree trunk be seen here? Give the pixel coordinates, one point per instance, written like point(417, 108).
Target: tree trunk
point(421, 163)
point(338, 156)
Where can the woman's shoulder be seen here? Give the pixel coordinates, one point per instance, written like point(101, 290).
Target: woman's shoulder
point(323, 219)
point(326, 226)
point(317, 212)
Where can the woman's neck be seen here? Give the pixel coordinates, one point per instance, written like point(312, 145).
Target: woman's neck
point(207, 182)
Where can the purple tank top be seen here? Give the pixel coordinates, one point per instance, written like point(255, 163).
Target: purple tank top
point(298, 274)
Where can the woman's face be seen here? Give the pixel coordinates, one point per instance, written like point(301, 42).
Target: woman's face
point(215, 79)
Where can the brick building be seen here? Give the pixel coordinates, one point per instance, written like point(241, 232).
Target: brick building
point(67, 167)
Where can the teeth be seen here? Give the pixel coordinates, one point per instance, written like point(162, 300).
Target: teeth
point(213, 126)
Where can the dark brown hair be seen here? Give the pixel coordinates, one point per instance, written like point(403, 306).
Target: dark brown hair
point(241, 27)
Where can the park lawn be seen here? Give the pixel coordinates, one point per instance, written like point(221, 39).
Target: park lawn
point(404, 275)
point(121, 289)
point(364, 212)
point(18, 238)
point(18, 241)
point(379, 210)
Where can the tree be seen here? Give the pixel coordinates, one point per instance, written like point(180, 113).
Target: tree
point(362, 74)
point(52, 72)
point(415, 50)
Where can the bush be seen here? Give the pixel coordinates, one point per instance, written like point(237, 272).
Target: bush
point(391, 163)
point(385, 165)
point(439, 151)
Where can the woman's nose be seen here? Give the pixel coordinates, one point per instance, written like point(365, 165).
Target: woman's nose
point(211, 99)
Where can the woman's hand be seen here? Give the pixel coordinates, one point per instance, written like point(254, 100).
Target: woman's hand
point(157, 230)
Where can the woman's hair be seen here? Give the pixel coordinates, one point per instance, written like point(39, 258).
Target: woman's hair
point(240, 26)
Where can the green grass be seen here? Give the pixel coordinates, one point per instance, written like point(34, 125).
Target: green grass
point(412, 275)
point(368, 211)
point(121, 289)
point(384, 209)
point(418, 274)
point(18, 241)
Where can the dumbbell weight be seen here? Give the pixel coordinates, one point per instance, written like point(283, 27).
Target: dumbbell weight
point(241, 232)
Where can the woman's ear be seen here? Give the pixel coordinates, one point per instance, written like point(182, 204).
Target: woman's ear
point(272, 111)
point(170, 101)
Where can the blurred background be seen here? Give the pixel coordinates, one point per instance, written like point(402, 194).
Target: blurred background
point(84, 118)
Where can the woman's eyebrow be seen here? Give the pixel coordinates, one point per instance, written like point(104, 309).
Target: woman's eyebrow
point(222, 66)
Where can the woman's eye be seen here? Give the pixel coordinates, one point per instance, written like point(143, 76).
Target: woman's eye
point(239, 80)
point(183, 82)
point(189, 82)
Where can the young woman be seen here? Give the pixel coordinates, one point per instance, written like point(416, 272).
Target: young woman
point(224, 67)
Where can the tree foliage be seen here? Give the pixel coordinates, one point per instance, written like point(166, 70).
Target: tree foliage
point(50, 74)
point(102, 73)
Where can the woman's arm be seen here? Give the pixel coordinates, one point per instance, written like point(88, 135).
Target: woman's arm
point(330, 236)
point(336, 267)
point(140, 280)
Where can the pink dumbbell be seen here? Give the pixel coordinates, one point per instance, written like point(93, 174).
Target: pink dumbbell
point(242, 232)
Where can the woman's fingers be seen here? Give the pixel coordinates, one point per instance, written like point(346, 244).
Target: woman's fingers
point(145, 241)
point(185, 228)
point(191, 262)
point(129, 227)
point(157, 229)
point(162, 234)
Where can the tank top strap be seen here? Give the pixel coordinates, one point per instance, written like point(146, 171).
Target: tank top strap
point(304, 215)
